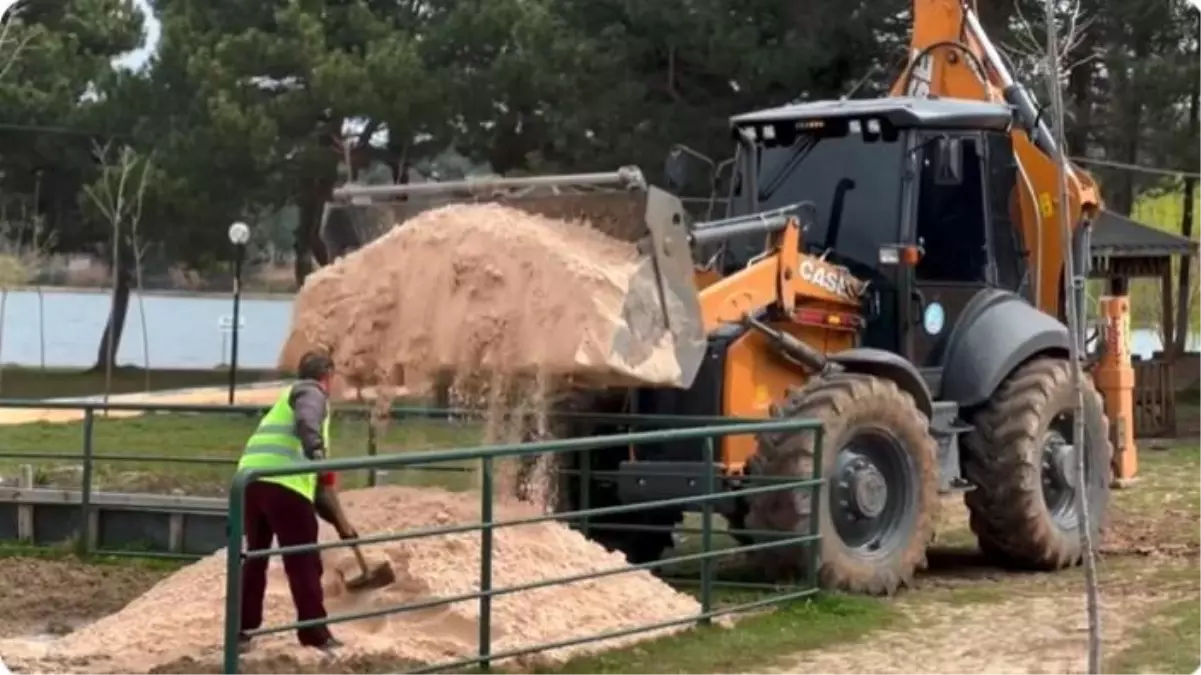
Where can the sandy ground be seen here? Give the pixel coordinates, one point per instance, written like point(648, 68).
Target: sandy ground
point(262, 395)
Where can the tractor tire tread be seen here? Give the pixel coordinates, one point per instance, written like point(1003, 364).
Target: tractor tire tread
point(840, 401)
point(1003, 459)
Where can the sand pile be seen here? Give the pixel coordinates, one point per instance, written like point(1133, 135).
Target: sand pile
point(181, 617)
point(479, 288)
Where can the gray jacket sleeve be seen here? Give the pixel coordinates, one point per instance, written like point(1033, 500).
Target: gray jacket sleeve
point(310, 405)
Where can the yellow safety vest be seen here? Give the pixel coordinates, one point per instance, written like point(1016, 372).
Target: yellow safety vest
point(275, 443)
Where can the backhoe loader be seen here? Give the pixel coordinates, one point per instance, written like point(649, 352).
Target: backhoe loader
point(886, 266)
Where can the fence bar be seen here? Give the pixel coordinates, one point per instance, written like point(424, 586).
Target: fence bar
point(85, 495)
point(813, 551)
point(233, 577)
point(532, 520)
point(397, 412)
point(155, 555)
point(372, 450)
point(486, 533)
point(531, 586)
point(585, 489)
point(670, 623)
point(707, 531)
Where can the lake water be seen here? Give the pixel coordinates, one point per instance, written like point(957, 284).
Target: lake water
point(182, 332)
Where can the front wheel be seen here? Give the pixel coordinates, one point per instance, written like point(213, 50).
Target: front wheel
point(1022, 456)
point(880, 499)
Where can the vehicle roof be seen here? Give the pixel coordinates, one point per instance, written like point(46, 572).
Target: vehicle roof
point(942, 113)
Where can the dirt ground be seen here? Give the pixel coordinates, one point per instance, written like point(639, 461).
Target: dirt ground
point(53, 597)
point(967, 616)
point(43, 599)
point(963, 616)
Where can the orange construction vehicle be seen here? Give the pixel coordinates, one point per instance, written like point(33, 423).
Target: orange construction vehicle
point(890, 267)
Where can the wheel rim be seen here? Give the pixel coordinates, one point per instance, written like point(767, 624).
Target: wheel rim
point(1059, 471)
point(872, 498)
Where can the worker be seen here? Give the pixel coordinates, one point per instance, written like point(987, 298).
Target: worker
point(294, 430)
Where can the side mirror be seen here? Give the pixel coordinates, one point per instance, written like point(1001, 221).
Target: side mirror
point(684, 169)
point(675, 169)
point(948, 167)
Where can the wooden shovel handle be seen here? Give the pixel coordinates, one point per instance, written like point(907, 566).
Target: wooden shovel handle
point(359, 556)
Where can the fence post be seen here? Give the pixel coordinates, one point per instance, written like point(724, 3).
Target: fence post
point(815, 515)
point(585, 475)
point(372, 450)
point(233, 573)
point(82, 545)
point(485, 562)
point(707, 531)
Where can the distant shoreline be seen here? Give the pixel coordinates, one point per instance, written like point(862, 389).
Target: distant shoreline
point(157, 292)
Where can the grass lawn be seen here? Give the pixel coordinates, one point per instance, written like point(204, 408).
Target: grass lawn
point(19, 382)
point(152, 441)
point(1167, 505)
point(755, 641)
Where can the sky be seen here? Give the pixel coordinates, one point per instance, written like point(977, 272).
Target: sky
point(151, 26)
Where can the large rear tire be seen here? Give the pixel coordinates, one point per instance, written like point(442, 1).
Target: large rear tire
point(1021, 458)
point(880, 501)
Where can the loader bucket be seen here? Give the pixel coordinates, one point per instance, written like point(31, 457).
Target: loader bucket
point(662, 297)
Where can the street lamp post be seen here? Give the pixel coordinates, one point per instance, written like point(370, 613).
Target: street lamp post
point(239, 234)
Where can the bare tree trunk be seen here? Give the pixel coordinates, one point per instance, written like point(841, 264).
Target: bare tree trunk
point(1080, 89)
point(110, 341)
point(1124, 120)
point(302, 263)
point(1071, 272)
point(308, 244)
point(3, 312)
point(1183, 300)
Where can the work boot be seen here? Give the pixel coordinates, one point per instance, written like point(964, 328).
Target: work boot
point(330, 645)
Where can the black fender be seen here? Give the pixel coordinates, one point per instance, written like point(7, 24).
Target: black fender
point(996, 332)
point(880, 363)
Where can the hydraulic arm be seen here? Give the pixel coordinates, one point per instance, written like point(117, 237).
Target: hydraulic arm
point(951, 56)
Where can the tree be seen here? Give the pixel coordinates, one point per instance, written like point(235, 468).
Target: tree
point(50, 96)
point(116, 197)
point(675, 71)
point(257, 98)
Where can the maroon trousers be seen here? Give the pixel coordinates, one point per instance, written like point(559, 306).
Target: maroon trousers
point(274, 511)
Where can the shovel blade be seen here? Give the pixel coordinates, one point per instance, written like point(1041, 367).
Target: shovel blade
point(376, 576)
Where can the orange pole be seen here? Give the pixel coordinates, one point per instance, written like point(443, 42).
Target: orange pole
point(1114, 376)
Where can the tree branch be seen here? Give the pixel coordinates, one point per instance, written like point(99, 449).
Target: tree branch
point(6, 23)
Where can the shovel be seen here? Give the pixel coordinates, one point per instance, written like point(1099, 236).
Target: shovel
point(369, 576)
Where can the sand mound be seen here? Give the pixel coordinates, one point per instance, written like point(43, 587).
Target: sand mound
point(474, 288)
point(181, 617)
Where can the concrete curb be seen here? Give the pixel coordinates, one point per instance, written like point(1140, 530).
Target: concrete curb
point(187, 391)
point(261, 393)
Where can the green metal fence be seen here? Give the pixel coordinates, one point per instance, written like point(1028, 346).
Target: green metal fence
point(488, 525)
point(92, 412)
point(88, 458)
point(704, 563)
